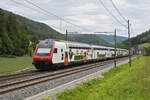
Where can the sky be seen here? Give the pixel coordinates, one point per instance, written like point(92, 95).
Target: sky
point(89, 15)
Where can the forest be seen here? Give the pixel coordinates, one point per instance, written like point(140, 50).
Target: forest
point(138, 40)
point(14, 36)
point(19, 35)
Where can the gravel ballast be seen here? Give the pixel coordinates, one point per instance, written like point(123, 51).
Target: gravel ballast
point(52, 87)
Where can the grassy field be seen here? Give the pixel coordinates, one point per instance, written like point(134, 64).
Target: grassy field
point(11, 65)
point(144, 45)
point(121, 83)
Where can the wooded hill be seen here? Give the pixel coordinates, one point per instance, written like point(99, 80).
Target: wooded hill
point(90, 39)
point(139, 39)
point(42, 30)
point(107, 38)
point(14, 37)
point(19, 35)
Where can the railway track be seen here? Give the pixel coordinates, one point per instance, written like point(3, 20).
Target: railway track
point(21, 84)
point(4, 78)
point(13, 86)
point(18, 75)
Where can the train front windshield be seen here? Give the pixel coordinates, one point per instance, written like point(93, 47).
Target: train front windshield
point(44, 48)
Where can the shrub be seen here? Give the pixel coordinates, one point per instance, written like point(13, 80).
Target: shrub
point(147, 51)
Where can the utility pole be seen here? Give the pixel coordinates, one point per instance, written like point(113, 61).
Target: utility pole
point(129, 43)
point(115, 48)
point(114, 32)
point(66, 35)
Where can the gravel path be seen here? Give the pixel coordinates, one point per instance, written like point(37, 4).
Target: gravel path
point(52, 88)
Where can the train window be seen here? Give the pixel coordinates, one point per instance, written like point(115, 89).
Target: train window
point(61, 50)
point(55, 50)
point(62, 58)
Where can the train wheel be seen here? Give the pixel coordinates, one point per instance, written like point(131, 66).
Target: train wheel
point(43, 68)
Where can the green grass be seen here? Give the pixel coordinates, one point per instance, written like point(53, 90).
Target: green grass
point(11, 65)
point(144, 45)
point(46, 99)
point(121, 83)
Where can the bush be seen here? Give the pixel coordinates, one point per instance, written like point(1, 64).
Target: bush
point(147, 51)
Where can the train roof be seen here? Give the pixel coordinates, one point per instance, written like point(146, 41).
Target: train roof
point(79, 44)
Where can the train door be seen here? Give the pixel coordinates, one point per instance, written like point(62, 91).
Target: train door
point(85, 57)
point(66, 58)
point(58, 55)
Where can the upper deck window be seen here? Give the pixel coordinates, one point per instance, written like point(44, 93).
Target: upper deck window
point(44, 48)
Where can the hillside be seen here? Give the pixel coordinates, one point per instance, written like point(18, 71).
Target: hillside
point(14, 36)
point(42, 30)
point(140, 39)
point(90, 39)
point(108, 38)
point(16, 33)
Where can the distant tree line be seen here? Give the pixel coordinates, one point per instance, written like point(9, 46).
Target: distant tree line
point(140, 39)
point(19, 35)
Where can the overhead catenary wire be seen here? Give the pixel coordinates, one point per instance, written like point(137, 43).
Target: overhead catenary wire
point(50, 13)
point(118, 11)
point(111, 14)
point(45, 12)
point(33, 9)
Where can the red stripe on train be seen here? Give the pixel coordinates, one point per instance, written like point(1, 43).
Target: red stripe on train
point(52, 51)
point(44, 58)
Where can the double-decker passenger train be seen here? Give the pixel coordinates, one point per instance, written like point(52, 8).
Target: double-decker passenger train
point(55, 53)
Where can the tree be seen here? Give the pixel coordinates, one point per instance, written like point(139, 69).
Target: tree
point(14, 36)
point(1, 46)
point(147, 51)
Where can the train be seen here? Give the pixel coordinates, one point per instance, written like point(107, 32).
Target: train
point(51, 53)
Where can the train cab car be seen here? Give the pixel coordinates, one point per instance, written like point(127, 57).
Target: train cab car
point(51, 54)
point(43, 54)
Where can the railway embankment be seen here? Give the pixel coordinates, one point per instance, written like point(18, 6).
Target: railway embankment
point(121, 83)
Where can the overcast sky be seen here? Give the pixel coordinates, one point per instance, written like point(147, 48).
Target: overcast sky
point(88, 14)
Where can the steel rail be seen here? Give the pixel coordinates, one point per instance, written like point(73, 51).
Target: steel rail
point(49, 77)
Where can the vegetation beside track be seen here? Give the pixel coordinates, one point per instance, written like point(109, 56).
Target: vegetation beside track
point(144, 45)
point(121, 83)
point(11, 65)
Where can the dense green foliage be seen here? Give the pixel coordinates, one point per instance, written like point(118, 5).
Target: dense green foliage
point(19, 35)
point(91, 39)
point(140, 39)
point(14, 37)
point(147, 53)
point(42, 30)
point(121, 83)
point(144, 45)
point(109, 38)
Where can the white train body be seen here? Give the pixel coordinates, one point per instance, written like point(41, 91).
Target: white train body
point(66, 52)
